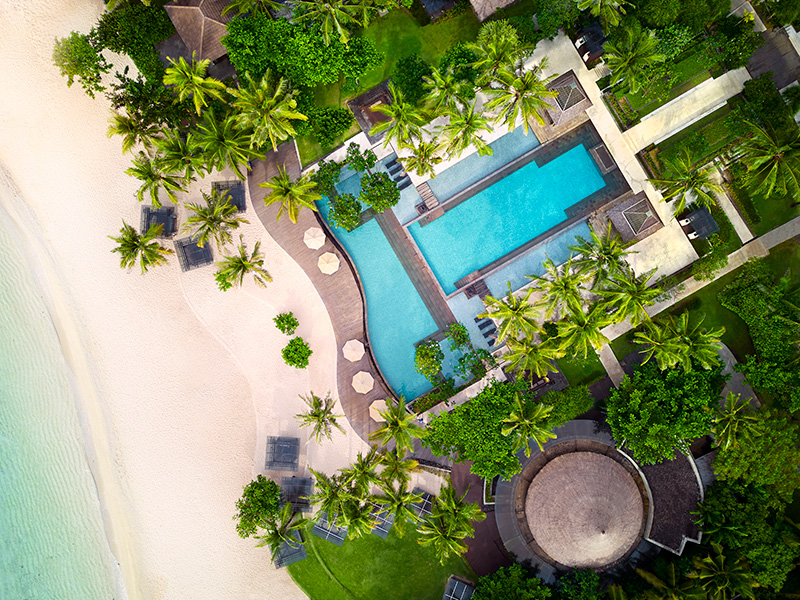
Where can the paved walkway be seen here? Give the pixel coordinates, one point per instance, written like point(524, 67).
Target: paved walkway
point(729, 208)
point(611, 365)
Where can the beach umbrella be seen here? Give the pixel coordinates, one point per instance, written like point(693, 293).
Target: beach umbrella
point(363, 382)
point(353, 350)
point(314, 238)
point(328, 263)
point(374, 410)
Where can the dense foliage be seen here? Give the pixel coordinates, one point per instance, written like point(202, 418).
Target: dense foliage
point(379, 191)
point(459, 59)
point(567, 404)
point(260, 501)
point(330, 122)
point(428, 360)
point(764, 105)
point(407, 77)
point(511, 583)
point(296, 353)
point(327, 176)
point(147, 102)
point(346, 211)
point(286, 323)
point(734, 42)
point(76, 57)
point(358, 159)
point(580, 584)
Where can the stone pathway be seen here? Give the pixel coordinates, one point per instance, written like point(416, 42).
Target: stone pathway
point(611, 365)
point(729, 208)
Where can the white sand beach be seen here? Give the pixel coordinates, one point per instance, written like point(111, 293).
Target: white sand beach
point(179, 383)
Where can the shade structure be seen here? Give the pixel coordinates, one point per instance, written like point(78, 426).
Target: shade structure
point(328, 263)
point(314, 238)
point(353, 350)
point(363, 382)
point(374, 410)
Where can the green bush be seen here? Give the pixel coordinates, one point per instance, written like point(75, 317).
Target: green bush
point(75, 56)
point(428, 360)
point(509, 583)
point(331, 122)
point(286, 323)
point(296, 353)
point(359, 160)
point(553, 15)
point(346, 212)
point(580, 584)
point(734, 42)
point(459, 58)
point(407, 77)
point(712, 261)
point(360, 56)
point(149, 102)
point(765, 105)
point(458, 336)
point(526, 28)
point(327, 176)
point(260, 501)
point(379, 191)
point(567, 404)
point(419, 14)
point(658, 13)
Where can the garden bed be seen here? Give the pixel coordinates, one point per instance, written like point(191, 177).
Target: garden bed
point(582, 371)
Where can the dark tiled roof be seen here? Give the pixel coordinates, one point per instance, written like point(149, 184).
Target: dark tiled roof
point(201, 25)
point(777, 56)
point(283, 454)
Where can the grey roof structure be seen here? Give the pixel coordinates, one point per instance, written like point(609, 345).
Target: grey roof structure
point(296, 491)
point(191, 256)
point(703, 223)
point(283, 454)
point(361, 107)
point(634, 217)
point(289, 554)
point(457, 589)
point(570, 101)
point(778, 57)
point(329, 531)
point(164, 216)
point(423, 508)
point(384, 521)
point(235, 189)
point(201, 26)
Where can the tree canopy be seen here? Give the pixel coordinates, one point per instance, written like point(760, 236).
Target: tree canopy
point(260, 501)
point(511, 583)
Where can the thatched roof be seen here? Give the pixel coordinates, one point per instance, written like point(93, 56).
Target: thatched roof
point(584, 510)
point(201, 25)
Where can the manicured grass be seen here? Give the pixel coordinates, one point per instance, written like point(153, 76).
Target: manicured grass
point(690, 72)
point(310, 149)
point(763, 215)
point(581, 372)
point(371, 568)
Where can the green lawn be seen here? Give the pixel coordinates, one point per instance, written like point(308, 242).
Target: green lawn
point(582, 372)
point(706, 137)
point(371, 568)
point(690, 72)
point(763, 216)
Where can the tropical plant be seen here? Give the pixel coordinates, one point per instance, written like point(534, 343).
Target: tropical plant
point(320, 416)
point(345, 211)
point(528, 421)
point(561, 286)
point(190, 81)
point(132, 247)
point(266, 108)
point(293, 197)
point(405, 120)
point(75, 56)
point(773, 161)
point(629, 57)
point(581, 332)
point(521, 95)
point(675, 342)
point(609, 11)
point(396, 468)
point(224, 144)
point(735, 422)
point(133, 131)
point(233, 269)
point(463, 130)
point(214, 221)
point(333, 16)
point(722, 578)
point(498, 45)
point(154, 178)
point(400, 504)
point(428, 359)
point(449, 524)
point(330, 496)
point(283, 529)
point(687, 183)
point(260, 501)
point(602, 255)
point(359, 518)
point(178, 153)
point(286, 323)
point(517, 316)
point(362, 474)
point(671, 587)
point(445, 89)
point(424, 158)
point(379, 191)
point(296, 353)
point(510, 582)
point(629, 296)
point(398, 425)
point(535, 359)
point(253, 7)
point(360, 160)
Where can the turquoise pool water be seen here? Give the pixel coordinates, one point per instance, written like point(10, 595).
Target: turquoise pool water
point(506, 215)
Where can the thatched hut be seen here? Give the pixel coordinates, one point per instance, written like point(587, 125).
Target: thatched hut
point(201, 26)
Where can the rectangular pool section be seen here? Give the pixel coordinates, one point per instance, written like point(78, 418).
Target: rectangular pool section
point(505, 215)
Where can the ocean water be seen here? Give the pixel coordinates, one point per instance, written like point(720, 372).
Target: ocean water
point(52, 541)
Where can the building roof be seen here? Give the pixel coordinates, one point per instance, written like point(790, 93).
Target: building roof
point(634, 218)
point(362, 105)
point(703, 223)
point(570, 101)
point(486, 8)
point(201, 25)
point(777, 56)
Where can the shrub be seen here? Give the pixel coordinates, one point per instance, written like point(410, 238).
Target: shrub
point(75, 56)
point(260, 501)
point(407, 76)
point(511, 582)
point(346, 212)
point(459, 58)
point(331, 122)
point(765, 105)
point(358, 160)
point(296, 353)
point(567, 404)
point(418, 12)
point(734, 42)
point(286, 323)
point(526, 29)
point(379, 191)
point(552, 16)
point(712, 261)
point(360, 56)
point(327, 176)
point(149, 102)
point(696, 14)
point(428, 360)
point(580, 584)
point(673, 40)
point(458, 336)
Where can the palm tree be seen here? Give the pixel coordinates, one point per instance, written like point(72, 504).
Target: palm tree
point(463, 130)
point(266, 109)
point(601, 256)
point(332, 15)
point(517, 315)
point(446, 90)
point(178, 153)
point(331, 496)
point(398, 425)
point(363, 474)
point(282, 530)
point(359, 519)
point(773, 161)
point(396, 468)
point(293, 197)
point(497, 46)
point(232, 269)
point(190, 81)
point(629, 296)
point(525, 356)
point(609, 11)
point(528, 421)
point(224, 144)
point(214, 221)
point(449, 524)
point(253, 7)
point(687, 184)
point(580, 331)
point(424, 159)
point(561, 286)
point(154, 178)
point(405, 120)
point(660, 342)
point(630, 57)
point(133, 131)
point(734, 422)
point(675, 341)
point(319, 416)
point(671, 587)
point(521, 95)
point(400, 504)
point(144, 248)
point(722, 578)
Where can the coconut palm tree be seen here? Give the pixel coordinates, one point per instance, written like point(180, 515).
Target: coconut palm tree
point(580, 331)
point(133, 131)
point(283, 529)
point(561, 286)
point(154, 178)
point(398, 425)
point(179, 153)
point(424, 159)
point(517, 315)
point(331, 496)
point(445, 89)
point(497, 46)
point(449, 524)
point(722, 578)
point(525, 356)
point(687, 183)
point(214, 221)
point(400, 504)
point(190, 81)
point(671, 587)
point(520, 95)
point(601, 256)
point(660, 342)
point(224, 144)
point(333, 16)
point(528, 421)
point(233, 269)
point(631, 56)
point(253, 7)
point(320, 416)
point(363, 474)
point(773, 161)
point(405, 120)
point(609, 11)
point(629, 296)
point(360, 519)
point(396, 468)
point(463, 130)
point(132, 247)
point(677, 342)
point(266, 109)
point(293, 197)
point(734, 422)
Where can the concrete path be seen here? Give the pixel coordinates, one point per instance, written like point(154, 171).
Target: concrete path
point(611, 364)
point(781, 233)
point(736, 383)
point(729, 208)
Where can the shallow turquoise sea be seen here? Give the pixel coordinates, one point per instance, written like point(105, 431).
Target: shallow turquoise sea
point(52, 541)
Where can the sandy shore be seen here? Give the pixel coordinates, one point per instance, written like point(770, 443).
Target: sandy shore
point(179, 383)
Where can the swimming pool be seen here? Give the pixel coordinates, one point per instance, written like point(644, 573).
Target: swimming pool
point(506, 215)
